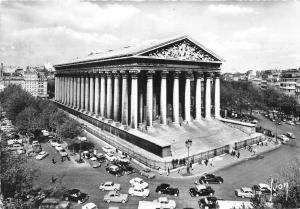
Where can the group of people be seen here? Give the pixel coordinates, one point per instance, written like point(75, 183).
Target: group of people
point(235, 153)
point(62, 158)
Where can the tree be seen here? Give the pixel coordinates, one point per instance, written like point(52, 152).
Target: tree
point(69, 129)
point(28, 120)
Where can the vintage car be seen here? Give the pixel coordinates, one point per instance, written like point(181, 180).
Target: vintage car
point(244, 192)
point(138, 182)
point(139, 191)
point(201, 190)
point(114, 196)
point(147, 173)
point(210, 179)
point(109, 186)
point(166, 189)
point(75, 195)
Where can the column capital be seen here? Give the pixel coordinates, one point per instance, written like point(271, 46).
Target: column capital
point(217, 74)
point(208, 74)
point(164, 73)
point(124, 74)
point(102, 74)
point(188, 74)
point(116, 74)
point(134, 73)
point(150, 73)
point(176, 74)
point(108, 74)
point(199, 75)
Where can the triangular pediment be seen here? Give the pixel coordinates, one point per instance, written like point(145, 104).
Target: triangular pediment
point(184, 49)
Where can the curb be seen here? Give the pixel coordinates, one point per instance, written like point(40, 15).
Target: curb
point(222, 167)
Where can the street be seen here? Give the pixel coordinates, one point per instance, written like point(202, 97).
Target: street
point(247, 173)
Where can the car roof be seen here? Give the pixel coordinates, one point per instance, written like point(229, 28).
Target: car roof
point(112, 192)
point(138, 179)
point(114, 166)
point(162, 199)
point(201, 187)
point(247, 189)
point(264, 185)
point(74, 190)
point(108, 182)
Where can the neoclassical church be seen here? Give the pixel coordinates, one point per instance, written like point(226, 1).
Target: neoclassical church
point(149, 99)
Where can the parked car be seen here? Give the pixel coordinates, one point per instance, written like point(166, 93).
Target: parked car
point(290, 123)
point(126, 167)
point(115, 170)
point(297, 123)
point(90, 205)
point(147, 173)
point(210, 179)
point(244, 192)
point(114, 196)
point(95, 164)
point(54, 203)
point(262, 189)
point(283, 138)
point(208, 203)
point(42, 155)
point(201, 190)
point(109, 156)
point(138, 182)
point(75, 195)
point(290, 135)
point(108, 149)
point(123, 158)
point(63, 153)
point(165, 203)
point(110, 186)
point(166, 189)
point(100, 157)
point(139, 191)
point(58, 147)
point(54, 142)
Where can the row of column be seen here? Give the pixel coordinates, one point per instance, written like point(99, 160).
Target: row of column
point(100, 94)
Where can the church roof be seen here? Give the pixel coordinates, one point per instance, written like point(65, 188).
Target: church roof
point(154, 50)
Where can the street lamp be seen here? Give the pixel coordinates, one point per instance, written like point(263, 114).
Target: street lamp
point(188, 144)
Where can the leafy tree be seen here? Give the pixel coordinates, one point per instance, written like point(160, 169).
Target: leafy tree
point(69, 129)
point(28, 120)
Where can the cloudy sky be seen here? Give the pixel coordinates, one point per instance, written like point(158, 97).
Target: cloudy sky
point(248, 35)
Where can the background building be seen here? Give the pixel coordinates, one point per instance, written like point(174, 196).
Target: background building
point(290, 83)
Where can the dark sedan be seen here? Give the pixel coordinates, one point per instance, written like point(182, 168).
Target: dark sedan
point(75, 195)
point(210, 179)
point(115, 170)
point(208, 202)
point(201, 190)
point(125, 167)
point(166, 189)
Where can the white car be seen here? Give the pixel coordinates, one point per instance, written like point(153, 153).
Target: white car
point(164, 202)
point(109, 186)
point(83, 138)
point(42, 155)
point(108, 149)
point(59, 147)
point(123, 158)
point(290, 135)
point(138, 182)
point(283, 138)
point(244, 192)
point(45, 133)
point(139, 191)
point(54, 142)
point(110, 157)
point(90, 206)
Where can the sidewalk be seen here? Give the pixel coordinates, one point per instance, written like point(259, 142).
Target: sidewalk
point(222, 162)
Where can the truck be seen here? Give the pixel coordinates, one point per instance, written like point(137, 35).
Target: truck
point(162, 202)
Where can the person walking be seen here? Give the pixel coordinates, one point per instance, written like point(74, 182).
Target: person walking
point(212, 163)
point(206, 162)
point(53, 161)
point(238, 155)
point(168, 172)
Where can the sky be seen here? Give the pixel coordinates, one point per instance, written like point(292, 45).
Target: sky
point(249, 35)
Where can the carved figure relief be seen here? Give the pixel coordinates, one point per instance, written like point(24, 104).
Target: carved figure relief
point(182, 51)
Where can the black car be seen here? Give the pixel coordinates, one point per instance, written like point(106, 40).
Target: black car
point(115, 170)
point(208, 202)
point(263, 189)
point(125, 167)
point(201, 190)
point(75, 195)
point(166, 189)
point(210, 179)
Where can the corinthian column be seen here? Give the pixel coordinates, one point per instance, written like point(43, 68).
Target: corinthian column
point(55, 87)
point(116, 96)
point(102, 95)
point(97, 86)
point(207, 96)
point(217, 95)
point(134, 99)
point(78, 92)
point(87, 93)
point(92, 88)
point(198, 96)
point(109, 95)
point(82, 97)
point(64, 89)
point(187, 97)
point(176, 98)
point(71, 90)
point(149, 99)
point(74, 91)
point(163, 98)
point(124, 98)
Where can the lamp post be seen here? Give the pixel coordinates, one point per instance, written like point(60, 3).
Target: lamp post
point(188, 144)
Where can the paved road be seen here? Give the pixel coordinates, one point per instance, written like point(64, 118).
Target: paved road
point(244, 174)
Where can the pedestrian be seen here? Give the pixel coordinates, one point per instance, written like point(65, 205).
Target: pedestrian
point(206, 162)
point(168, 171)
point(212, 163)
point(68, 158)
point(62, 159)
point(53, 161)
point(238, 155)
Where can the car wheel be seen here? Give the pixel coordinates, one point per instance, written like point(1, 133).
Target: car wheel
point(211, 194)
point(197, 195)
point(144, 196)
point(66, 198)
point(243, 196)
point(102, 189)
point(220, 182)
point(202, 182)
point(108, 201)
point(131, 194)
point(123, 201)
point(159, 192)
point(175, 195)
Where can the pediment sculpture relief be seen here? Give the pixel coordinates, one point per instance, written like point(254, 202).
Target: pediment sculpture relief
point(182, 51)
